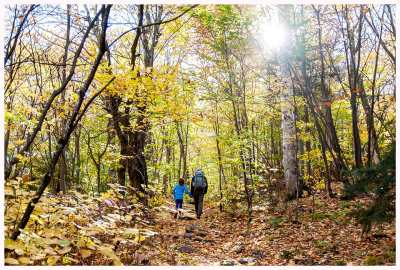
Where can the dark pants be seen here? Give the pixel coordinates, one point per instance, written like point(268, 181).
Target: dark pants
point(198, 201)
point(178, 203)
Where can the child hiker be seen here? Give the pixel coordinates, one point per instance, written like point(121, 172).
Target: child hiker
point(178, 195)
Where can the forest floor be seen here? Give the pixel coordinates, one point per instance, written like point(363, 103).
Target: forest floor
point(272, 238)
point(85, 230)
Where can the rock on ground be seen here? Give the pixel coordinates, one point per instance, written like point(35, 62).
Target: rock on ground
point(258, 252)
point(186, 249)
point(229, 262)
point(247, 260)
point(188, 235)
point(238, 249)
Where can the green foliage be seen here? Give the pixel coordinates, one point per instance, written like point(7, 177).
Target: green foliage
point(275, 221)
point(344, 204)
point(380, 180)
point(340, 262)
point(321, 244)
point(373, 260)
point(319, 215)
point(319, 203)
point(287, 254)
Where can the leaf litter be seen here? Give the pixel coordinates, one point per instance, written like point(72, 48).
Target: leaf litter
point(85, 233)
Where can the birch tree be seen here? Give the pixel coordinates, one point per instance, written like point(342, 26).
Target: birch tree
point(289, 144)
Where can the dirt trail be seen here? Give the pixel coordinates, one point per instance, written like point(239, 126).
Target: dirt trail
point(204, 241)
point(272, 238)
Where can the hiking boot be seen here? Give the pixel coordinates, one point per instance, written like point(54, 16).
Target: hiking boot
point(175, 215)
point(198, 216)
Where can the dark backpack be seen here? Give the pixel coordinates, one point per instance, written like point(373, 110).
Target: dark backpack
point(199, 181)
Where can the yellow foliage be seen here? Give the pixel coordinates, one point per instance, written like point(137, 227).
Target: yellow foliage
point(11, 261)
point(52, 260)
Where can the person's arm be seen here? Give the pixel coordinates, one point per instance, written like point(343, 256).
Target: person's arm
point(174, 191)
point(206, 186)
point(187, 191)
point(191, 186)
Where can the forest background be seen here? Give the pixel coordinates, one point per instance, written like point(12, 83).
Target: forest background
point(108, 105)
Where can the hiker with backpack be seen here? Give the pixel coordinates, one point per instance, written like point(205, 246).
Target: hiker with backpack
point(178, 192)
point(198, 189)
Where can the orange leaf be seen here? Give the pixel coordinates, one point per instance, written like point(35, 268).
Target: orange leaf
point(25, 178)
point(317, 108)
point(346, 95)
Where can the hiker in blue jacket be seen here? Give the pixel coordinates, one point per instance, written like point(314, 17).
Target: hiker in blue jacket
point(198, 189)
point(178, 191)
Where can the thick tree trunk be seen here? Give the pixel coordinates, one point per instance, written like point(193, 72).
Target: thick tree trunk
point(121, 170)
point(289, 144)
point(136, 165)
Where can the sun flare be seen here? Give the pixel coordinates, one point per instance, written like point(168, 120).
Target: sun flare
point(273, 35)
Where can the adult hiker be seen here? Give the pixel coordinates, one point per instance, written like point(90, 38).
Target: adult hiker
point(198, 189)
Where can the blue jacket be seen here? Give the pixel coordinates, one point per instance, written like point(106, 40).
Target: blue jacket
point(178, 192)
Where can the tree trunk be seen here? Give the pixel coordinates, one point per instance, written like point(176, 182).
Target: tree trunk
point(289, 144)
point(181, 147)
point(98, 167)
point(353, 82)
point(185, 156)
point(168, 155)
point(221, 168)
point(78, 155)
point(373, 139)
point(307, 144)
point(220, 173)
point(7, 137)
point(332, 139)
point(63, 172)
point(136, 165)
point(76, 116)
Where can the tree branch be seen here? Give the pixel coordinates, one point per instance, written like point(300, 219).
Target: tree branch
point(152, 24)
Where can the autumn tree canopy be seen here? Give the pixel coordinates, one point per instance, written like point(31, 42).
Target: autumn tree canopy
point(114, 103)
